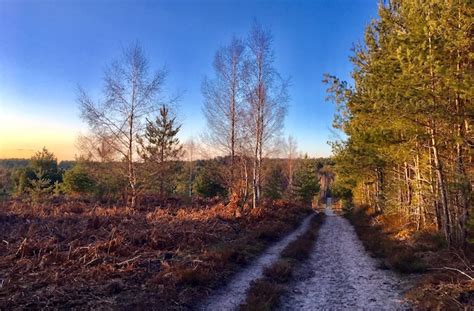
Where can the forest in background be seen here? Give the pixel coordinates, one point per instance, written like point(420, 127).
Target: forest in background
point(42, 180)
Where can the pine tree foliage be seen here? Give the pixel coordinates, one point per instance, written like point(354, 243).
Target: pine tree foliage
point(160, 145)
point(77, 181)
point(408, 115)
point(275, 183)
point(306, 184)
point(40, 187)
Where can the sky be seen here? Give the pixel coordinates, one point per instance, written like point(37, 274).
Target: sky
point(48, 48)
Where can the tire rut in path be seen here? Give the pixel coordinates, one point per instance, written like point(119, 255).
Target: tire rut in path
point(341, 275)
point(234, 293)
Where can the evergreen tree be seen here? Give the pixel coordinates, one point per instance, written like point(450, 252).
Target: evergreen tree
point(42, 171)
point(160, 145)
point(209, 181)
point(40, 187)
point(275, 183)
point(407, 118)
point(306, 183)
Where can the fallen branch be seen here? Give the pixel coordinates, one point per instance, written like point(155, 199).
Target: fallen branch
point(454, 269)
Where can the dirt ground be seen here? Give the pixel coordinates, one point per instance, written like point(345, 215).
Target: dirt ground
point(340, 274)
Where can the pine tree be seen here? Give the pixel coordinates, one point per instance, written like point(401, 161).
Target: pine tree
point(40, 187)
point(306, 184)
point(407, 116)
point(275, 183)
point(160, 145)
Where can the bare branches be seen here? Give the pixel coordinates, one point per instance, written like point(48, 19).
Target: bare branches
point(130, 95)
point(267, 99)
point(245, 104)
point(224, 96)
point(455, 270)
point(223, 104)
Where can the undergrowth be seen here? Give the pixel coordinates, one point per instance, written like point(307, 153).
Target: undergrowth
point(380, 242)
point(77, 255)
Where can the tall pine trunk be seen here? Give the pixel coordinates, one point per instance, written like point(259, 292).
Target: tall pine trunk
point(438, 166)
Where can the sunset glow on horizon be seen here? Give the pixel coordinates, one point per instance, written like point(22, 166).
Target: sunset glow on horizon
point(23, 136)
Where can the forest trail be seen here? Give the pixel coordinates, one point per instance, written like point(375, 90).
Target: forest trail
point(340, 274)
point(234, 293)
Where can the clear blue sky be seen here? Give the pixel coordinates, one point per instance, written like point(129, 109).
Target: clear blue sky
point(48, 47)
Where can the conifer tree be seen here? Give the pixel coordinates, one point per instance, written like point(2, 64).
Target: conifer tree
point(407, 116)
point(306, 184)
point(161, 145)
point(275, 183)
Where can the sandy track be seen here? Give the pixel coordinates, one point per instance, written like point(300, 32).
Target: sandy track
point(340, 275)
point(233, 294)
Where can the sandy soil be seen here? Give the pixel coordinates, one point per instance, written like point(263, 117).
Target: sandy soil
point(233, 294)
point(340, 275)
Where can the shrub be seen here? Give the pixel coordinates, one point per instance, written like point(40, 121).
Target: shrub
point(40, 188)
point(281, 271)
point(208, 185)
point(78, 182)
point(263, 296)
point(39, 177)
point(407, 262)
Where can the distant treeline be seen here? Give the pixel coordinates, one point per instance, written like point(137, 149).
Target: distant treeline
point(42, 178)
point(22, 163)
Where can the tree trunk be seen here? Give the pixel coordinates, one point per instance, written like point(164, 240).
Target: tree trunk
point(131, 169)
point(232, 139)
point(438, 166)
point(419, 191)
point(463, 179)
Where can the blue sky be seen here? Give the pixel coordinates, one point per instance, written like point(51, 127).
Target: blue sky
point(47, 48)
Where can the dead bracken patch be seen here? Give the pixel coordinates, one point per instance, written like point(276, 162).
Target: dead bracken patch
point(74, 254)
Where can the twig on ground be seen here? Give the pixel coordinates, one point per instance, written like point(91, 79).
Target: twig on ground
point(128, 261)
point(454, 269)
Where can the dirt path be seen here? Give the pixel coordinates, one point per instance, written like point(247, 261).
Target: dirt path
point(231, 296)
point(341, 275)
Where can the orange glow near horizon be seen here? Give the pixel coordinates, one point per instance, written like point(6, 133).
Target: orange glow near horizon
point(22, 137)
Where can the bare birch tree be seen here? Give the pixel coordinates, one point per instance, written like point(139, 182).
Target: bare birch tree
point(130, 93)
point(223, 102)
point(267, 100)
point(291, 154)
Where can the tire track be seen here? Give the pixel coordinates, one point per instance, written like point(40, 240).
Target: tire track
point(234, 293)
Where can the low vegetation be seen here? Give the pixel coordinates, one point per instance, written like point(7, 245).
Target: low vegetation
point(264, 293)
point(74, 254)
point(69, 237)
